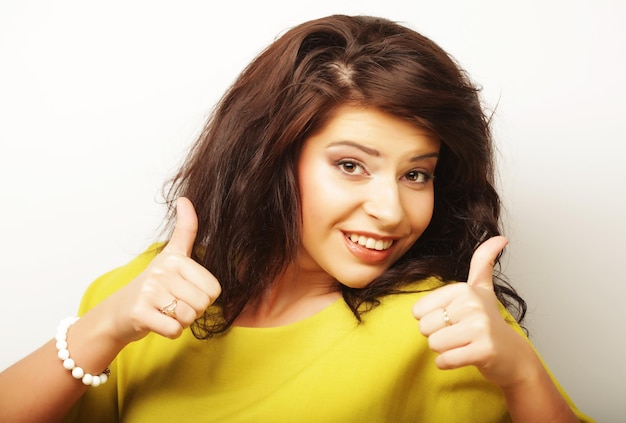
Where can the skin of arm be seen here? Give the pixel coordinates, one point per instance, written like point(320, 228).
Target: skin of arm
point(39, 389)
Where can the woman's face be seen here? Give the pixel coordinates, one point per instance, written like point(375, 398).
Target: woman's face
point(366, 192)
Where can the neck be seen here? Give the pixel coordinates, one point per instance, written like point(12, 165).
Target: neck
point(294, 296)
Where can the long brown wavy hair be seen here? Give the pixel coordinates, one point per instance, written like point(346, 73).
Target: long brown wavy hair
point(241, 172)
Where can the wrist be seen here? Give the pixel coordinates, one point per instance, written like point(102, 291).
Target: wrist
point(533, 396)
point(90, 346)
point(63, 354)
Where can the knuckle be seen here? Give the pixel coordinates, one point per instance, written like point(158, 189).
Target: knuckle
point(170, 261)
point(149, 288)
point(443, 362)
point(486, 356)
point(217, 291)
point(434, 345)
point(173, 333)
point(480, 325)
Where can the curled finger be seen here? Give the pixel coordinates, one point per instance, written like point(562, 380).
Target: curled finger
point(470, 354)
point(449, 338)
point(435, 320)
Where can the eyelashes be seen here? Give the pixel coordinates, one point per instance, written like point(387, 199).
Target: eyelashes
point(419, 176)
point(352, 167)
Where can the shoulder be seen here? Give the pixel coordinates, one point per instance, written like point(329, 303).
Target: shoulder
point(115, 279)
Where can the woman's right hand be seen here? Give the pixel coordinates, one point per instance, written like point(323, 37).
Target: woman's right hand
point(127, 315)
point(134, 311)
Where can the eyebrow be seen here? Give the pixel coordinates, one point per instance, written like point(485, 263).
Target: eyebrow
point(376, 153)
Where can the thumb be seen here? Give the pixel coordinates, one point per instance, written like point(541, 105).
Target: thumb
point(185, 229)
point(483, 261)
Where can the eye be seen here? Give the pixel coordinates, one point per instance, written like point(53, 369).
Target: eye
point(351, 167)
point(418, 177)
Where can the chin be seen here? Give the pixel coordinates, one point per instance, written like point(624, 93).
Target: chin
point(358, 282)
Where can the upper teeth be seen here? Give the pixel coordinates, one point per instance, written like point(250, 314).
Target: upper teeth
point(371, 243)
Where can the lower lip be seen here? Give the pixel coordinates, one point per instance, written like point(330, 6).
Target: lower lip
point(366, 254)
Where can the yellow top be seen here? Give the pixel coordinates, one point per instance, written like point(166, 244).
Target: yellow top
point(325, 368)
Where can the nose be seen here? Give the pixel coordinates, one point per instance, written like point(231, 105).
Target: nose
point(384, 203)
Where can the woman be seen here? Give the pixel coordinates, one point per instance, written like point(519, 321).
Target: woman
point(340, 189)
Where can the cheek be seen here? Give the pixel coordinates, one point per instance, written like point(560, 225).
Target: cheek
point(420, 212)
point(309, 198)
point(320, 196)
point(321, 208)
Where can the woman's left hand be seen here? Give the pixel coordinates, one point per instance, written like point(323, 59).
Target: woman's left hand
point(464, 325)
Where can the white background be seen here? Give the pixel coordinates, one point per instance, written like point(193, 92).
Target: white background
point(100, 100)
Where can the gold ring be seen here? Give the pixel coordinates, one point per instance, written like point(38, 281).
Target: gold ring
point(170, 308)
point(445, 317)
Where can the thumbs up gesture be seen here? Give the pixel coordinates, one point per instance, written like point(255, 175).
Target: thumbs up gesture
point(169, 294)
point(464, 325)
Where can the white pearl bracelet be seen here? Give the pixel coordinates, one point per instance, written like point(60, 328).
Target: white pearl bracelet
point(69, 364)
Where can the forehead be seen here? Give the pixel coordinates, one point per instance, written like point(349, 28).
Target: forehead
point(375, 127)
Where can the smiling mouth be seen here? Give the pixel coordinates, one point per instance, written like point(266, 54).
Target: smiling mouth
point(371, 243)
